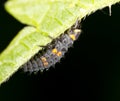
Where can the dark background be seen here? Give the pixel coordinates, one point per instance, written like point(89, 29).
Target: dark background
point(89, 71)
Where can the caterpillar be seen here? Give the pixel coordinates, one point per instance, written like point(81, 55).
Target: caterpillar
point(54, 51)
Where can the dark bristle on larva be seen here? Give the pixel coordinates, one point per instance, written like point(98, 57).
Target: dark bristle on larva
point(54, 51)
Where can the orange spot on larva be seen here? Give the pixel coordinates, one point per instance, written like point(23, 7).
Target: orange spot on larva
point(59, 53)
point(72, 36)
point(44, 60)
point(54, 51)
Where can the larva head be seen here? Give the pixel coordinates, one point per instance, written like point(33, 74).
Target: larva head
point(74, 34)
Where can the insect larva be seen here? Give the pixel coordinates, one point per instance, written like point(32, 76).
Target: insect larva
point(54, 51)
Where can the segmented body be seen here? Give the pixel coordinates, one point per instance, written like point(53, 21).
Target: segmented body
point(54, 51)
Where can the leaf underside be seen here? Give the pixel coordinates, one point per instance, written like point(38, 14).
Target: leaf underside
point(43, 18)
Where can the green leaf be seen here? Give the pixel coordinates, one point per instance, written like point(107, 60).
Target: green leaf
point(44, 18)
